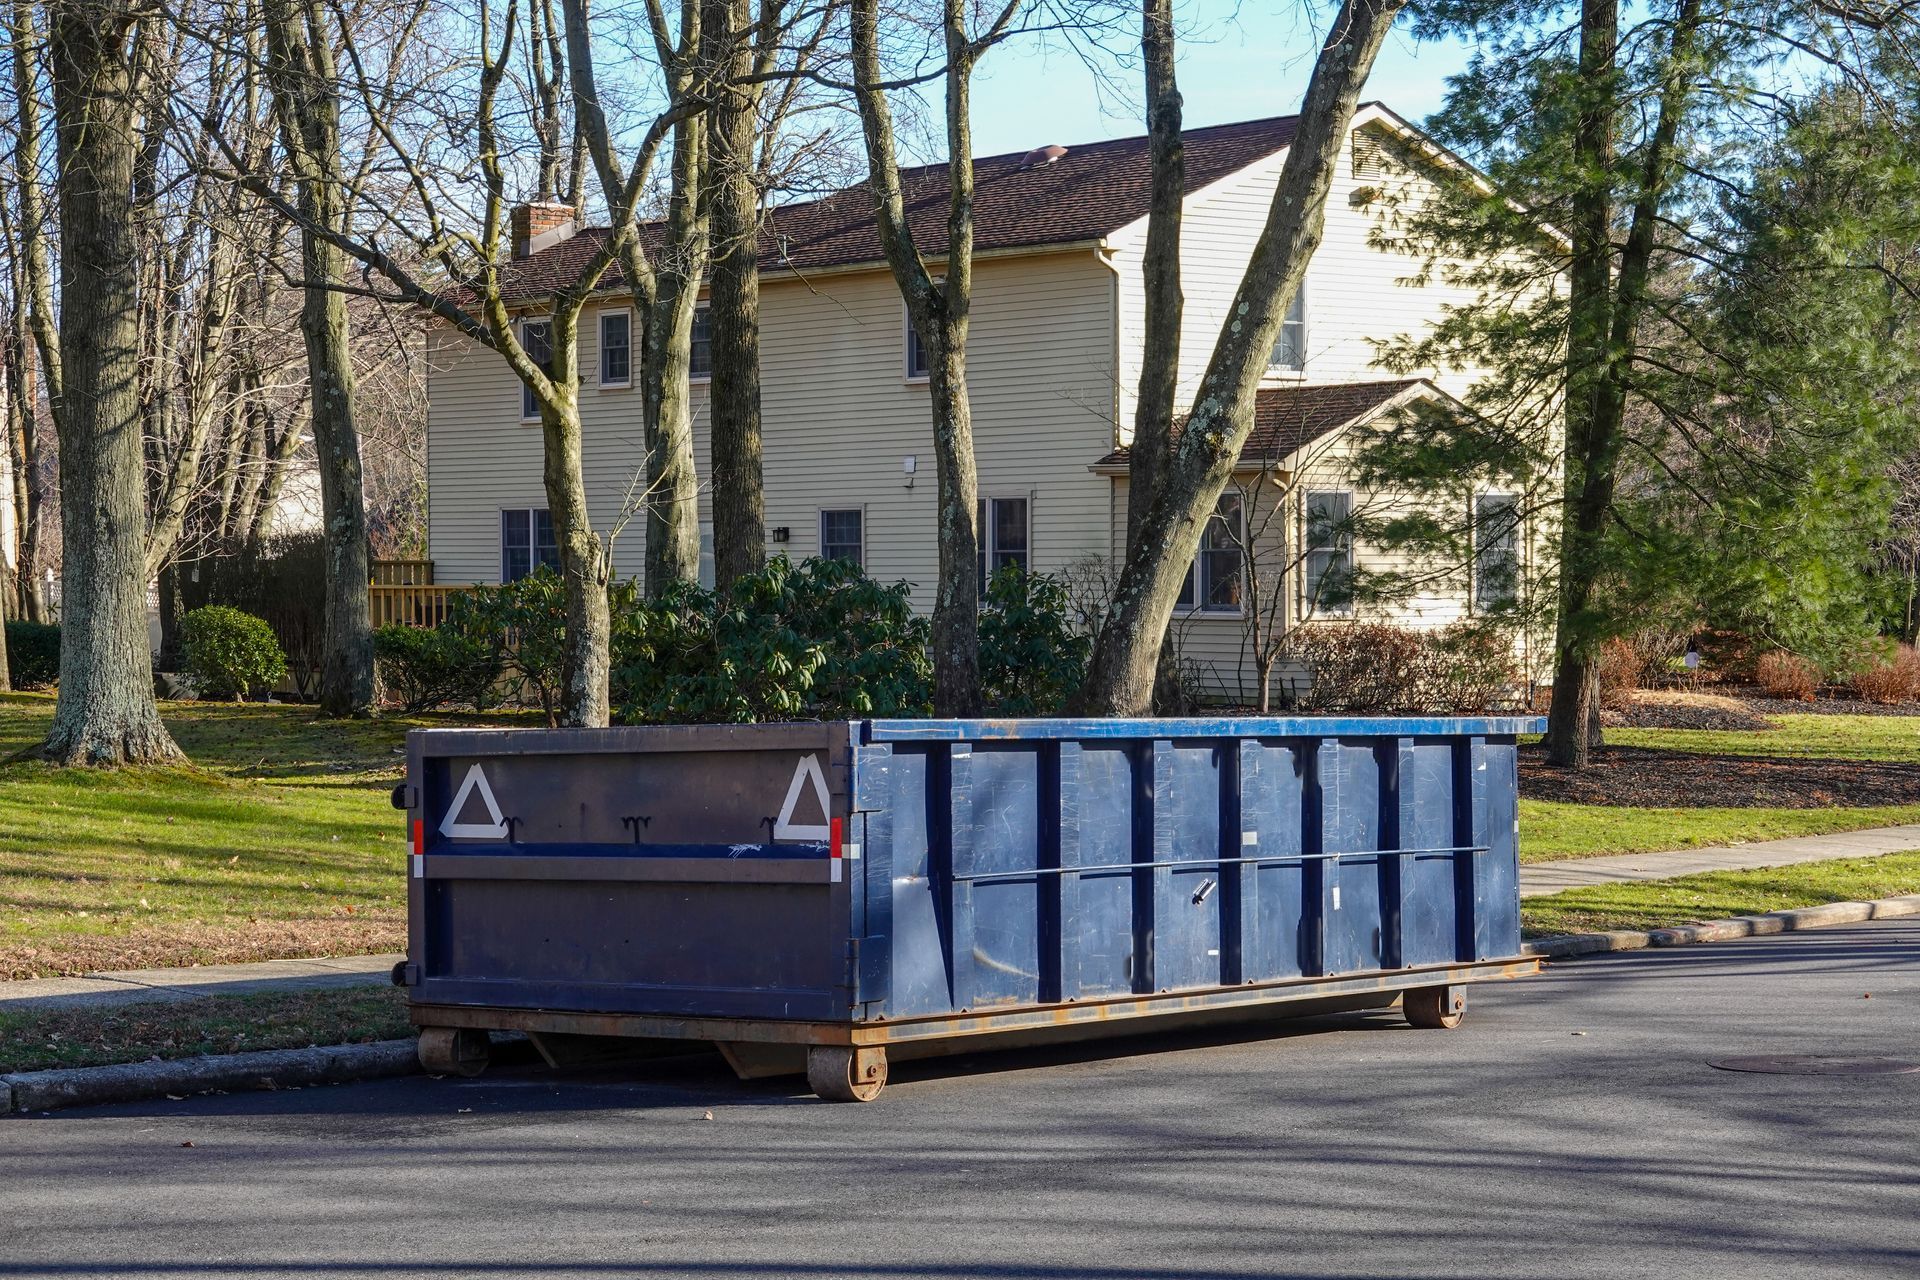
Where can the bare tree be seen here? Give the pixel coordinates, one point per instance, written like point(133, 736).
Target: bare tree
point(106, 713)
point(29, 238)
point(301, 68)
point(938, 310)
point(1120, 678)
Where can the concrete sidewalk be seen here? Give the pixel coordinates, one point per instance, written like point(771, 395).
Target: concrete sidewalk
point(143, 986)
point(1539, 878)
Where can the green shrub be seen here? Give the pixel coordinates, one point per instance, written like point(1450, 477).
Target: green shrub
point(33, 654)
point(1031, 657)
point(526, 623)
point(423, 669)
point(818, 640)
point(229, 654)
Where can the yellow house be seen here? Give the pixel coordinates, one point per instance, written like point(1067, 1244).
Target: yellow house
point(1052, 369)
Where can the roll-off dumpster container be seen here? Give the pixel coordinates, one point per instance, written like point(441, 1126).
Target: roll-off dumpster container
point(814, 897)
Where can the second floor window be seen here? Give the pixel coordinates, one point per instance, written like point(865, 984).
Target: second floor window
point(1214, 582)
point(526, 542)
point(616, 348)
point(840, 536)
point(1329, 569)
point(536, 336)
point(1290, 348)
point(1002, 535)
point(700, 351)
point(1496, 552)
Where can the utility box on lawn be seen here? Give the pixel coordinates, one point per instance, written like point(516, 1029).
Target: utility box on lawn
point(815, 897)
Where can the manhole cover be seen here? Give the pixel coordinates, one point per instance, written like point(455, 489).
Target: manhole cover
point(1817, 1064)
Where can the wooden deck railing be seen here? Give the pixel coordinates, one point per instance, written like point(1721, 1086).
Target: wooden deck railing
point(402, 573)
point(413, 606)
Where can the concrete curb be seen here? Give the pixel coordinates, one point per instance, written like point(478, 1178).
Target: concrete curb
point(1568, 945)
point(269, 1069)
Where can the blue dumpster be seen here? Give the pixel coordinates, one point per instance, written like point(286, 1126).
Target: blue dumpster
point(816, 897)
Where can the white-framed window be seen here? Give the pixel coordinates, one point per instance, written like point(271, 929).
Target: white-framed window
point(1328, 582)
point(1003, 535)
point(616, 348)
point(526, 542)
point(700, 350)
point(918, 366)
point(1290, 348)
point(536, 338)
point(1496, 552)
point(1217, 578)
point(842, 535)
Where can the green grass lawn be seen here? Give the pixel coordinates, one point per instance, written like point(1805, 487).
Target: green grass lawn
point(278, 842)
point(1550, 829)
point(1887, 739)
point(91, 1037)
point(1720, 895)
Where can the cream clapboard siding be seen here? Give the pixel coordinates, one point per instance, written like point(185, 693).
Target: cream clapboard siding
point(1357, 295)
point(840, 417)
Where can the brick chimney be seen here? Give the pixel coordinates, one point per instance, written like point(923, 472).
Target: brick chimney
point(536, 225)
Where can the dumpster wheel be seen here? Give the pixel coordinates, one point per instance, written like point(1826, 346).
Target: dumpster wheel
point(454, 1051)
point(843, 1073)
point(1436, 1008)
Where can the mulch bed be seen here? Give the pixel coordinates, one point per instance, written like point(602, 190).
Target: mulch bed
point(1676, 710)
point(1639, 777)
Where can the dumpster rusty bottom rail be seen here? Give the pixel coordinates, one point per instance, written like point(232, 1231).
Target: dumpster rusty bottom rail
point(1252, 1000)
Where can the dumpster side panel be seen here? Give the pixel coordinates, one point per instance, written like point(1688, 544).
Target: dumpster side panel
point(919, 941)
point(1191, 804)
point(1280, 935)
point(1098, 797)
point(1351, 795)
point(1424, 772)
point(997, 853)
point(1497, 888)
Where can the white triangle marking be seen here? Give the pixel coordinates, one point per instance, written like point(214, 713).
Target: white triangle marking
point(495, 830)
point(783, 827)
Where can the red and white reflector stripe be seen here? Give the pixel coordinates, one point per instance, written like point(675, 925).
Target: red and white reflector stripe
point(419, 848)
point(837, 851)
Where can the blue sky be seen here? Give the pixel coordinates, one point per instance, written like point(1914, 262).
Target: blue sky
point(1254, 63)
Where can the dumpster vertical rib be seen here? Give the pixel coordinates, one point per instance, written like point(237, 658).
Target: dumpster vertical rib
point(1469, 835)
point(1318, 882)
point(1049, 812)
point(959, 844)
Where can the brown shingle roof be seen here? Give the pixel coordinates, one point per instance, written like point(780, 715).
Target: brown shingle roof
point(1092, 191)
point(1286, 419)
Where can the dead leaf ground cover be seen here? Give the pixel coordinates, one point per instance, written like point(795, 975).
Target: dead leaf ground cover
point(94, 1036)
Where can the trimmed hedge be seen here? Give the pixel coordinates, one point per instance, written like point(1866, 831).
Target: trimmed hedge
point(229, 654)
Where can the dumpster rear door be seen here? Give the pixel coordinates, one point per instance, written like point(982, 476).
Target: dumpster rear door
point(671, 871)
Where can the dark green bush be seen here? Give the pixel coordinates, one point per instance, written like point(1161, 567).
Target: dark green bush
point(33, 654)
point(423, 669)
point(1031, 657)
point(229, 654)
point(526, 623)
point(817, 640)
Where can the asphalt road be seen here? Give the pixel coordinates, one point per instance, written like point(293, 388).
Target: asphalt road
point(1570, 1127)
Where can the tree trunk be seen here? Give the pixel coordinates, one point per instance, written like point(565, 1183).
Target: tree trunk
point(106, 713)
point(939, 312)
point(346, 665)
point(673, 484)
point(301, 71)
point(584, 565)
point(1120, 678)
point(733, 396)
point(1160, 267)
point(1602, 328)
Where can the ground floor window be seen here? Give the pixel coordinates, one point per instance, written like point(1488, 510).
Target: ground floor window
point(1216, 579)
point(840, 536)
point(1002, 533)
point(526, 542)
point(1328, 582)
point(1496, 552)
